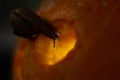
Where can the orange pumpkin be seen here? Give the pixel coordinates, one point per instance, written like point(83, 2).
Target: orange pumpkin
point(89, 45)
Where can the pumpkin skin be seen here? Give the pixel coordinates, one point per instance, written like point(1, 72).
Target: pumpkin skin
point(89, 45)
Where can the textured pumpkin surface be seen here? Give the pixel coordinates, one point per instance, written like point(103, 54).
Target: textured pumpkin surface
point(89, 45)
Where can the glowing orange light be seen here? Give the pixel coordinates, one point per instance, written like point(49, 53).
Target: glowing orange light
point(49, 55)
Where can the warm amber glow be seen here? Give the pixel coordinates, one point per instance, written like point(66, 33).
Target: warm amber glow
point(44, 51)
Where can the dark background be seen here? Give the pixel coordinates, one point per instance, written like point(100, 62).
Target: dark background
point(7, 38)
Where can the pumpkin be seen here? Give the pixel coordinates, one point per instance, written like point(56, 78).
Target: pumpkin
point(88, 48)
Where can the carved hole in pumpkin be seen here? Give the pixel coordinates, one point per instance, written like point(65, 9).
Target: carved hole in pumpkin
point(45, 53)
